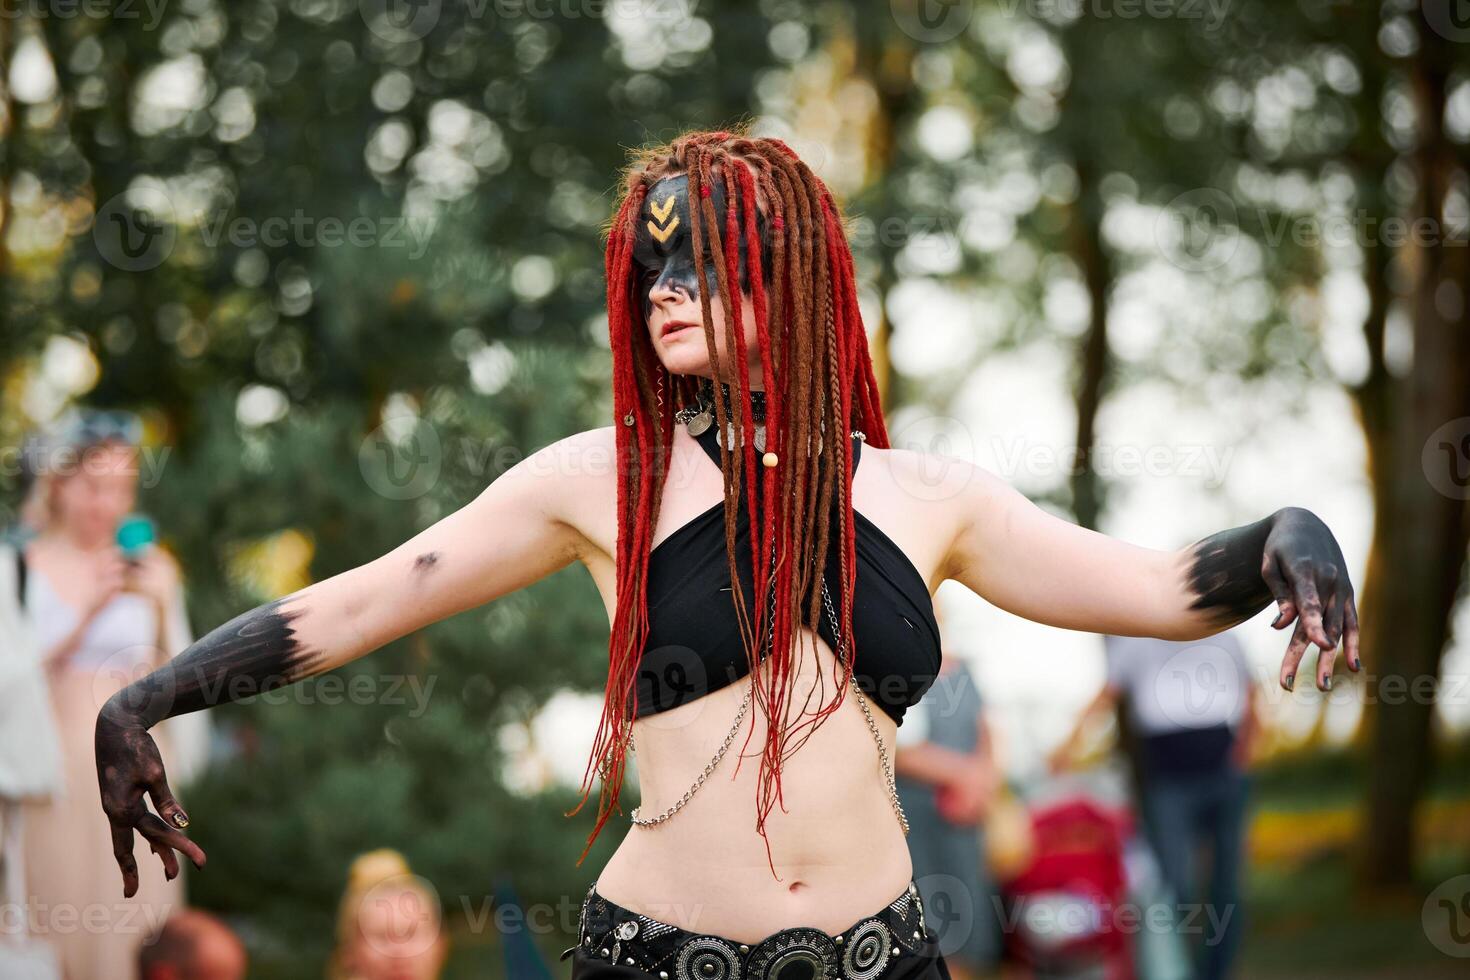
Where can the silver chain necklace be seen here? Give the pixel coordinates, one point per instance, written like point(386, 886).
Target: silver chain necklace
point(745, 706)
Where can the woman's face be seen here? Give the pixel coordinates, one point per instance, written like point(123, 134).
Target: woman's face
point(676, 329)
point(95, 490)
point(668, 286)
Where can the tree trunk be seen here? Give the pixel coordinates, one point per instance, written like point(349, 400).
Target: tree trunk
point(1094, 362)
point(1421, 530)
point(888, 66)
point(1081, 142)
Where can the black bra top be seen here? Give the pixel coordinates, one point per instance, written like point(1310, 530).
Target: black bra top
point(694, 644)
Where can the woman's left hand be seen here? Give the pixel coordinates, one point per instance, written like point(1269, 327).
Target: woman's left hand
point(1304, 569)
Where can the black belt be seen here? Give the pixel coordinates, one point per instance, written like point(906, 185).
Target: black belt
point(860, 952)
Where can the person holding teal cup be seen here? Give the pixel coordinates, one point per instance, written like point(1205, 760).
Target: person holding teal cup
point(104, 602)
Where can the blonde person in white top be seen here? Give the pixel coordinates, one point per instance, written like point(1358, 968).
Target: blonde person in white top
point(98, 622)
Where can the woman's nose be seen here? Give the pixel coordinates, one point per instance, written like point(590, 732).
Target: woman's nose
point(667, 291)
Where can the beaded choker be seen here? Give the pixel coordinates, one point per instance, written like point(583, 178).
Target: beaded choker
point(705, 401)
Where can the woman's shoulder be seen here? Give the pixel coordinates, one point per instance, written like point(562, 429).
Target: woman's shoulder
point(573, 480)
point(927, 475)
point(579, 459)
point(600, 437)
point(565, 474)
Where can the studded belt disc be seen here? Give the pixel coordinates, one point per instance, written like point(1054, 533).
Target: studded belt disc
point(861, 952)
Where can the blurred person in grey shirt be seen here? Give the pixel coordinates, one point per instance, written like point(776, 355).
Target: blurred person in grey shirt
point(1190, 711)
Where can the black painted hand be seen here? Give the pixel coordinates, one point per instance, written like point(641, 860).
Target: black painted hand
point(1304, 569)
point(128, 765)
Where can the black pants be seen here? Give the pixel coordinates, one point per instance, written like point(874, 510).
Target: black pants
point(616, 943)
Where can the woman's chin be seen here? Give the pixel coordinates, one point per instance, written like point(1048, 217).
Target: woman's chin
point(685, 361)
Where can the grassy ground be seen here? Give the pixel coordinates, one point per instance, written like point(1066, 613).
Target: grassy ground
point(1307, 918)
point(1307, 921)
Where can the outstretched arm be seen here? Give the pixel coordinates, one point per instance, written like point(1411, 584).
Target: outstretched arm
point(1036, 565)
point(1070, 748)
point(517, 531)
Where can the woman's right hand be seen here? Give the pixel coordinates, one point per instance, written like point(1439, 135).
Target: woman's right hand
point(109, 577)
point(128, 765)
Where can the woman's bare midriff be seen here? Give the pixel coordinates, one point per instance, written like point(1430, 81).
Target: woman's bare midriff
point(835, 840)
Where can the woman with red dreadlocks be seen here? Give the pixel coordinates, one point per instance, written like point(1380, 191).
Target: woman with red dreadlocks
point(760, 561)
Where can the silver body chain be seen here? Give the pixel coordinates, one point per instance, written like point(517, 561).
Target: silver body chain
point(745, 706)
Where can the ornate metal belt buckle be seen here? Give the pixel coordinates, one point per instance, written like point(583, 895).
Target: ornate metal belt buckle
point(799, 953)
point(867, 951)
point(707, 958)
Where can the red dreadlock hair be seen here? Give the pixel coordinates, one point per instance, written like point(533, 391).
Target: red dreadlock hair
point(818, 378)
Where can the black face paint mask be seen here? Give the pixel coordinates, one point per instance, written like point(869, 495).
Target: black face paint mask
point(663, 248)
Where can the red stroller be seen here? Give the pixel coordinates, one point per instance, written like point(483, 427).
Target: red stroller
point(1066, 912)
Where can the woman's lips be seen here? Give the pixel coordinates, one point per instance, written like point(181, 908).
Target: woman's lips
point(674, 327)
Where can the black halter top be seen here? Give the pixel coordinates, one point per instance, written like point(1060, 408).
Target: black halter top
point(694, 645)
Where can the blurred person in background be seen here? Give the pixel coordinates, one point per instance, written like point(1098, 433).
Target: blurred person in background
point(100, 620)
point(389, 925)
point(947, 780)
point(30, 771)
point(192, 945)
point(1191, 710)
point(738, 352)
